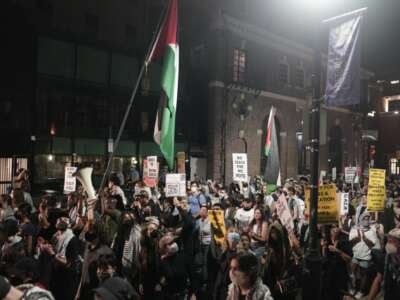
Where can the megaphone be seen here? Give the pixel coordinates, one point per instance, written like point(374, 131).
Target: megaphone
point(84, 175)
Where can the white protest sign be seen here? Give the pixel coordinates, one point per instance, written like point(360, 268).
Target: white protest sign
point(69, 180)
point(175, 185)
point(344, 204)
point(283, 212)
point(334, 173)
point(349, 174)
point(152, 166)
point(322, 175)
point(239, 167)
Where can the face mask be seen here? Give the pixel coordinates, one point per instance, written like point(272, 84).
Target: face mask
point(173, 248)
point(193, 189)
point(365, 223)
point(390, 248)
point(233, 237)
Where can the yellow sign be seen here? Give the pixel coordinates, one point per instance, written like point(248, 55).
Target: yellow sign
point(327, 203)
point(217, 221)
point(376, 190)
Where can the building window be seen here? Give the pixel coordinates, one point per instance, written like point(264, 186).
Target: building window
point(239, 65)
point(92, 23)
point(283, 71)
point(299, 76)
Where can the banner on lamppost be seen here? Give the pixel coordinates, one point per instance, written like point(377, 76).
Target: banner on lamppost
point(343, 68)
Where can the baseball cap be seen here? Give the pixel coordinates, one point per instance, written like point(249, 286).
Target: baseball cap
point(116, 288)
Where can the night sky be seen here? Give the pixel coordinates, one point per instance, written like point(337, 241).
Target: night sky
point(380, 35)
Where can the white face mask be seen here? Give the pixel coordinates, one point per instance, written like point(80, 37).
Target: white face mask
point(173, 248)
point(390, 248)
point(193, 189)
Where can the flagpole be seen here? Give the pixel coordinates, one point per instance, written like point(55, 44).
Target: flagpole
point(350, 13)
point(133, 95)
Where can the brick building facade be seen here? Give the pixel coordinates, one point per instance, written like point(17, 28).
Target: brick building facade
point(251, 69)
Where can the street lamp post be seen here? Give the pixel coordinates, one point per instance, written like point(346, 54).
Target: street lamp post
point(312, 288)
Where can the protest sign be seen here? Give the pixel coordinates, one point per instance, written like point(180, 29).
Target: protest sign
point(175, 185)
point(283, 212)
point(334, 173)
point(327, 203)
point(153, 167)
point(349, 174)
point(376, 190)
point(150, 171)
point(344, 203)
point(216, 217)
point(239, 167)
point(69, 180)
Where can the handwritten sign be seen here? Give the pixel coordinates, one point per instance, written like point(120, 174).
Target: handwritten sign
point(69, 180)
point(283, 212)
point(175, 185)
point(240, 167)
point(376, 190)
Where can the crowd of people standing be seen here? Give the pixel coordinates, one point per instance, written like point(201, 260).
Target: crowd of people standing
point(141, 244)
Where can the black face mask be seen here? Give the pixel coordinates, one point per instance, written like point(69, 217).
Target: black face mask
point(128, 223)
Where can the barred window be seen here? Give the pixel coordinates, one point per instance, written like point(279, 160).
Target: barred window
point(239, 65)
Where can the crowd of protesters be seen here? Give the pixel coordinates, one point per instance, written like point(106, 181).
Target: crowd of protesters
point(141, 244)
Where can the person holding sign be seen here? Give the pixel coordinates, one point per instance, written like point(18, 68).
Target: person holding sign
point(363, 238)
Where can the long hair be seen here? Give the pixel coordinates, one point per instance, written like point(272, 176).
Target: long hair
point(254, 221)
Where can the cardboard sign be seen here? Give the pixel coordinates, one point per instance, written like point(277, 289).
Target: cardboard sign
point(349, 174)
point(283, 212)
point(239, 167)
point(376, 190)
point(344, 203)
point(69, 180)
point(217, 221)
point(327, 203)
point(175, 185)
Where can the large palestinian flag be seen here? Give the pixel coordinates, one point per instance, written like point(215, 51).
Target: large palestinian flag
point(271, 151)
point(166, 46)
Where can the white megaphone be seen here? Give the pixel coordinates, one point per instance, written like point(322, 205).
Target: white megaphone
point(84, 175)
